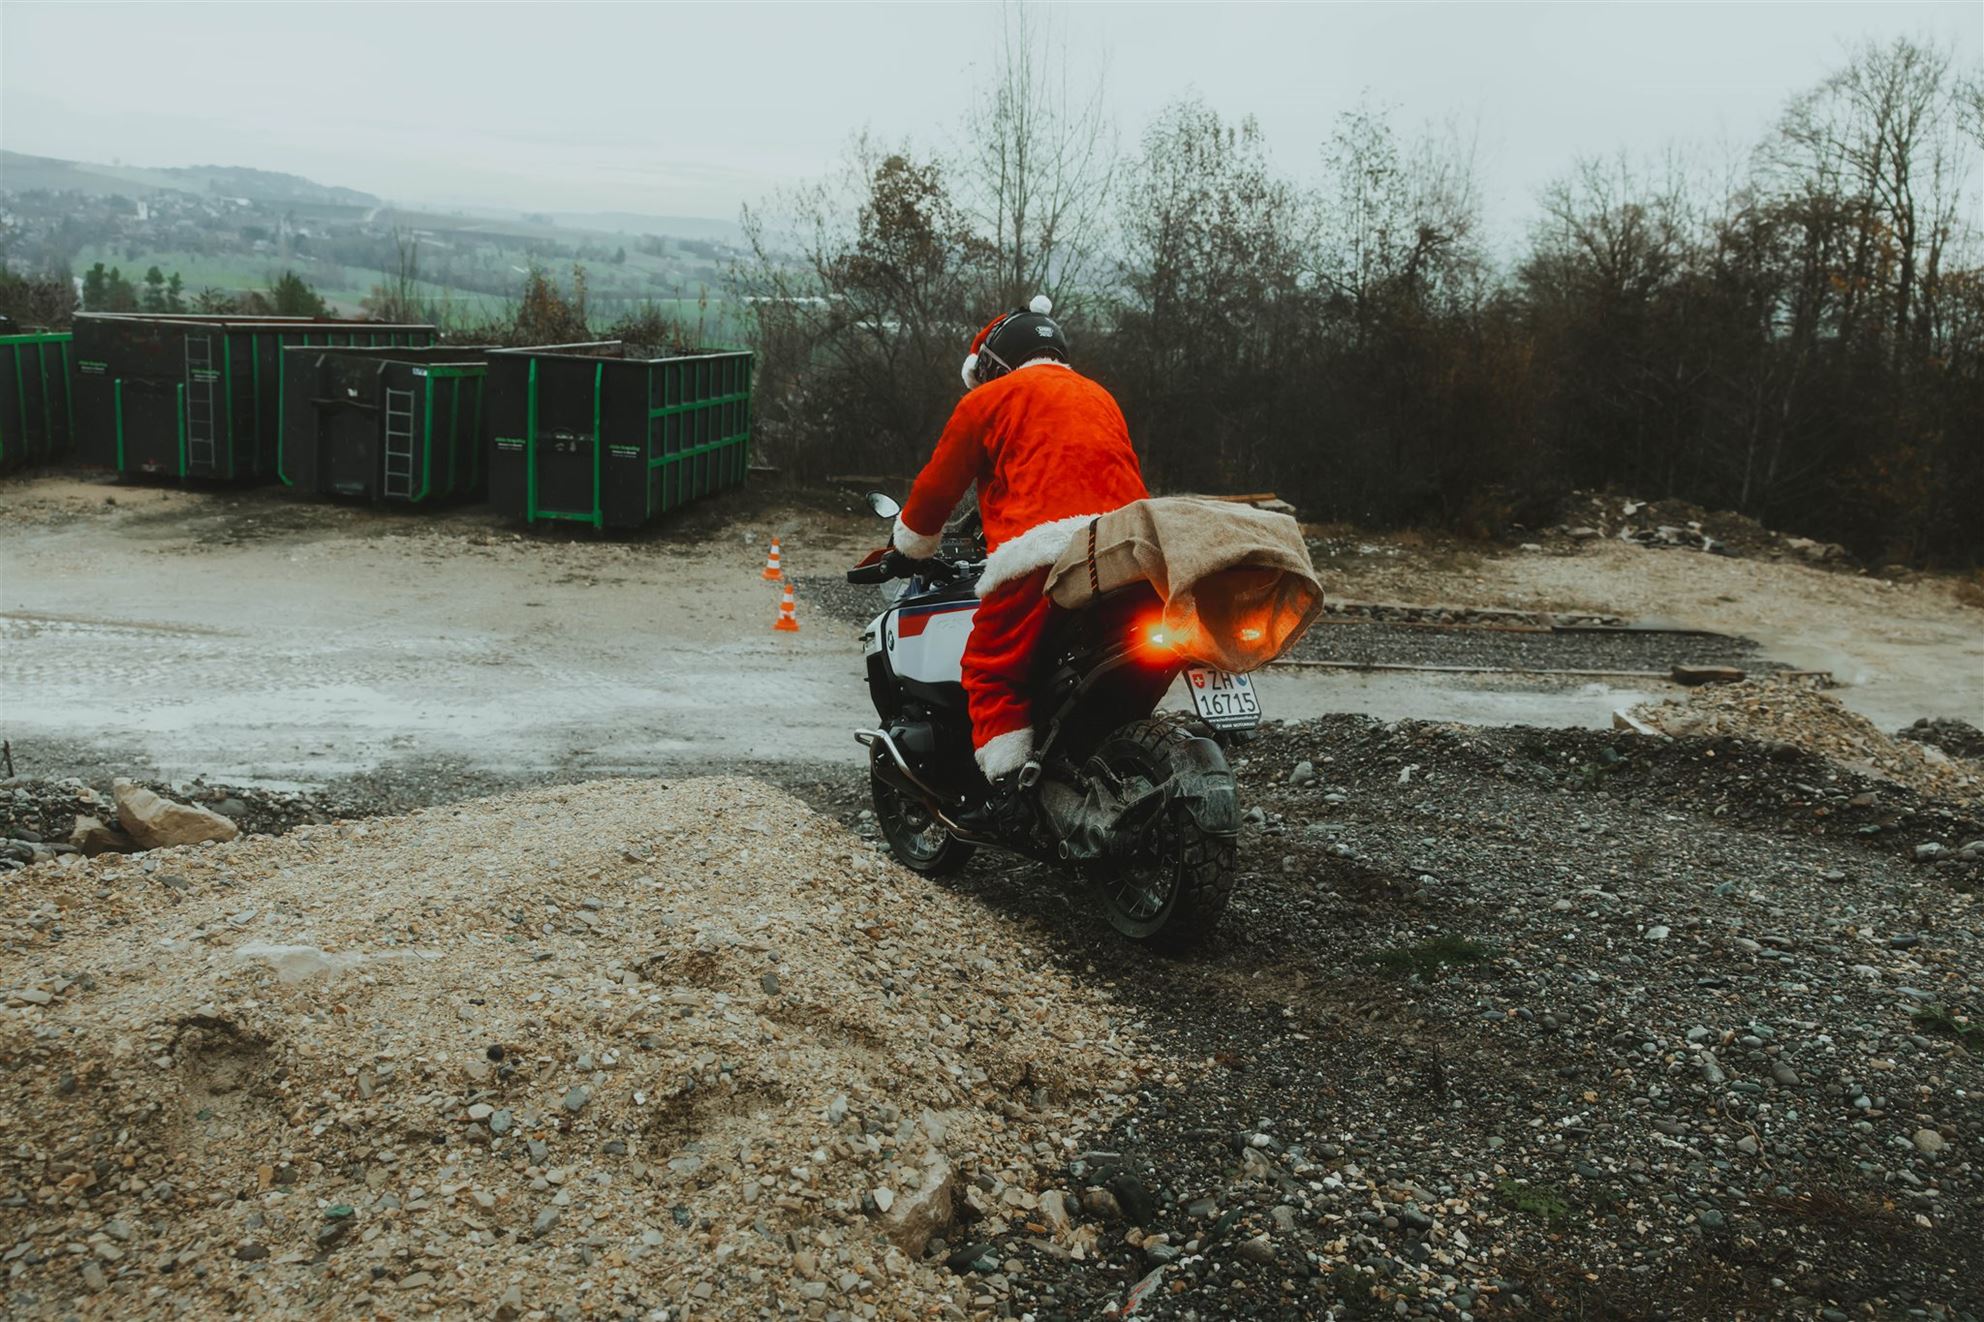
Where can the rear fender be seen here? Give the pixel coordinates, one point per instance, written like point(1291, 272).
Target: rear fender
point(1203, 782)
point(1107, 817)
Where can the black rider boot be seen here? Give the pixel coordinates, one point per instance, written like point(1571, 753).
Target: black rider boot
point(1004, 811)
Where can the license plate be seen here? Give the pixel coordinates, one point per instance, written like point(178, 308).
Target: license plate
point(1225, 702)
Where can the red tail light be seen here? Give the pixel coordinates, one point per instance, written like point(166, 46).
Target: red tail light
point(1150, 637)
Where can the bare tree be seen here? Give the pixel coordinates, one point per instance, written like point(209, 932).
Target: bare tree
point(1396, 220)
point(1884, 134)
point(863, 291)
point(397, 298)
point(1037, 161)
point(1608, 226)
point(1212, 305)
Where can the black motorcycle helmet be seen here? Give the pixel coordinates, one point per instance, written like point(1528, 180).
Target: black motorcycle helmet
point(1014, 339)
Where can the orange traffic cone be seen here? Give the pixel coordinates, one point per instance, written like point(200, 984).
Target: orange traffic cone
point(772, 571)
point(787, 621)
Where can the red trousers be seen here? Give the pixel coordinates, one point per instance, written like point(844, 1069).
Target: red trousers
point(998, 669)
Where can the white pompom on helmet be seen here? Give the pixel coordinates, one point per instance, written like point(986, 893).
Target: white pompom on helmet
point(1012, 339)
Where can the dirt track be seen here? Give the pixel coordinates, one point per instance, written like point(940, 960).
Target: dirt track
point(258, 637)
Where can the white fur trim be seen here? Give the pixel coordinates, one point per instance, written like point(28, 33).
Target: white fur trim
point(916, 545)
point(1003, 754)
point(1043, 362)
point(970, 365)
point(1041, 304)
point(1036, 548)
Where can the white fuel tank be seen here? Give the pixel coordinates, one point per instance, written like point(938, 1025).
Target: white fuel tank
point(926, 642)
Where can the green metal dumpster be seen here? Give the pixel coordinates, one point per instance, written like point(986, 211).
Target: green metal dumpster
point(196, 396)
point(613, 435)
point(396, 424)
point(34, 398)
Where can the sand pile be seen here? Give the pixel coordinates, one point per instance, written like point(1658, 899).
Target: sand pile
point(594, 1050)
point(1794, 711)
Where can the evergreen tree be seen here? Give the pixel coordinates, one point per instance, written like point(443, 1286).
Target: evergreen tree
point(119, 294)
point(292, 296)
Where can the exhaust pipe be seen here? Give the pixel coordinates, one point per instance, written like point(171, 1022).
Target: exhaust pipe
point(906, 778)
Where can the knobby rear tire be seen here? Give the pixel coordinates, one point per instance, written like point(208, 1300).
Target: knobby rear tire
point(1199, 868)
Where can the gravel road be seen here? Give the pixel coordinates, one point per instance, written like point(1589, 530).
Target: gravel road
point(1547, 1024)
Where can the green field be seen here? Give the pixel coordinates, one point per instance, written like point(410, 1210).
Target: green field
point(343, 287)
point(613, 290)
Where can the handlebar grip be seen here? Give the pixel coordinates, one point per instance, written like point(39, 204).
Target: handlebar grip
point(936, 570)
point(879, 572)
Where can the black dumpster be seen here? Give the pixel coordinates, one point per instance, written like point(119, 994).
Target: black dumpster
point(196, 396)
point(614, 435)
point(386, 424)
point(34, 398)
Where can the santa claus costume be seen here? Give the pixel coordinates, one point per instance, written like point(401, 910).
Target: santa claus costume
point(1050, 451)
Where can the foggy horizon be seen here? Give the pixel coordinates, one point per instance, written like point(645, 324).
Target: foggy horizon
point(696, 111)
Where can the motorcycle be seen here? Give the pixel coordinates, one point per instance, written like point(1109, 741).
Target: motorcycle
point(1140, 804)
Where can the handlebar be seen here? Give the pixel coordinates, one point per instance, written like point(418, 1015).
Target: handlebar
point(894, 564)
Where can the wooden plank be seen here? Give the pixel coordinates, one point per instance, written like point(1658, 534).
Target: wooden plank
point(1666, 676)
point(1404, 668)
point(1695, 675)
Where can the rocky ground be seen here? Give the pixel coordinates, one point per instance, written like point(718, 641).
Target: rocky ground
point(1516, 1023)
point(1504, 1023)
point(628, 1049)
point(40, 811)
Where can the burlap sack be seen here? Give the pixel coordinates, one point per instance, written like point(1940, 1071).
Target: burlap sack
point(1237, 583)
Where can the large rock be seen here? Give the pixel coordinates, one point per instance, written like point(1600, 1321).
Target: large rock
point(159, 823)
point(92, 837)
point(918, 1217)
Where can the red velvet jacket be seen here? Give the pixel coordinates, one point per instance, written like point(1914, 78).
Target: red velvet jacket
point(1049, 450)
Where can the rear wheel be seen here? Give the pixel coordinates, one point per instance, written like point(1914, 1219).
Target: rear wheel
point(1172, 890)
point(917, 839)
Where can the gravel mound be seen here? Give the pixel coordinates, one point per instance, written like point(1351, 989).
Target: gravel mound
point(597, 1049)
point(1682, 524)
point(1795, 712)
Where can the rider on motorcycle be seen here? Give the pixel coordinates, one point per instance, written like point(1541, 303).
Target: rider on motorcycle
point(1049, 451)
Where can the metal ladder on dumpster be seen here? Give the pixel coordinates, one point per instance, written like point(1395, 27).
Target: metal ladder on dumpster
point(399, 444)
point(200, 375)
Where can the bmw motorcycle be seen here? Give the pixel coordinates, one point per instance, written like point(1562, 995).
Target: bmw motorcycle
point(1139, 804)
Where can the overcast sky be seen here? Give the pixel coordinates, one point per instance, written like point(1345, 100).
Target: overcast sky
point(692, 110)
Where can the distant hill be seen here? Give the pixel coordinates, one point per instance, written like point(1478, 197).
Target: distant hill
point(267, 185)
point(23, 172)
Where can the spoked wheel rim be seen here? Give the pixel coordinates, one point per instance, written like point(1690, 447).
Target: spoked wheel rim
point(923, 834)
point(1139, 892)
point(917, 830)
